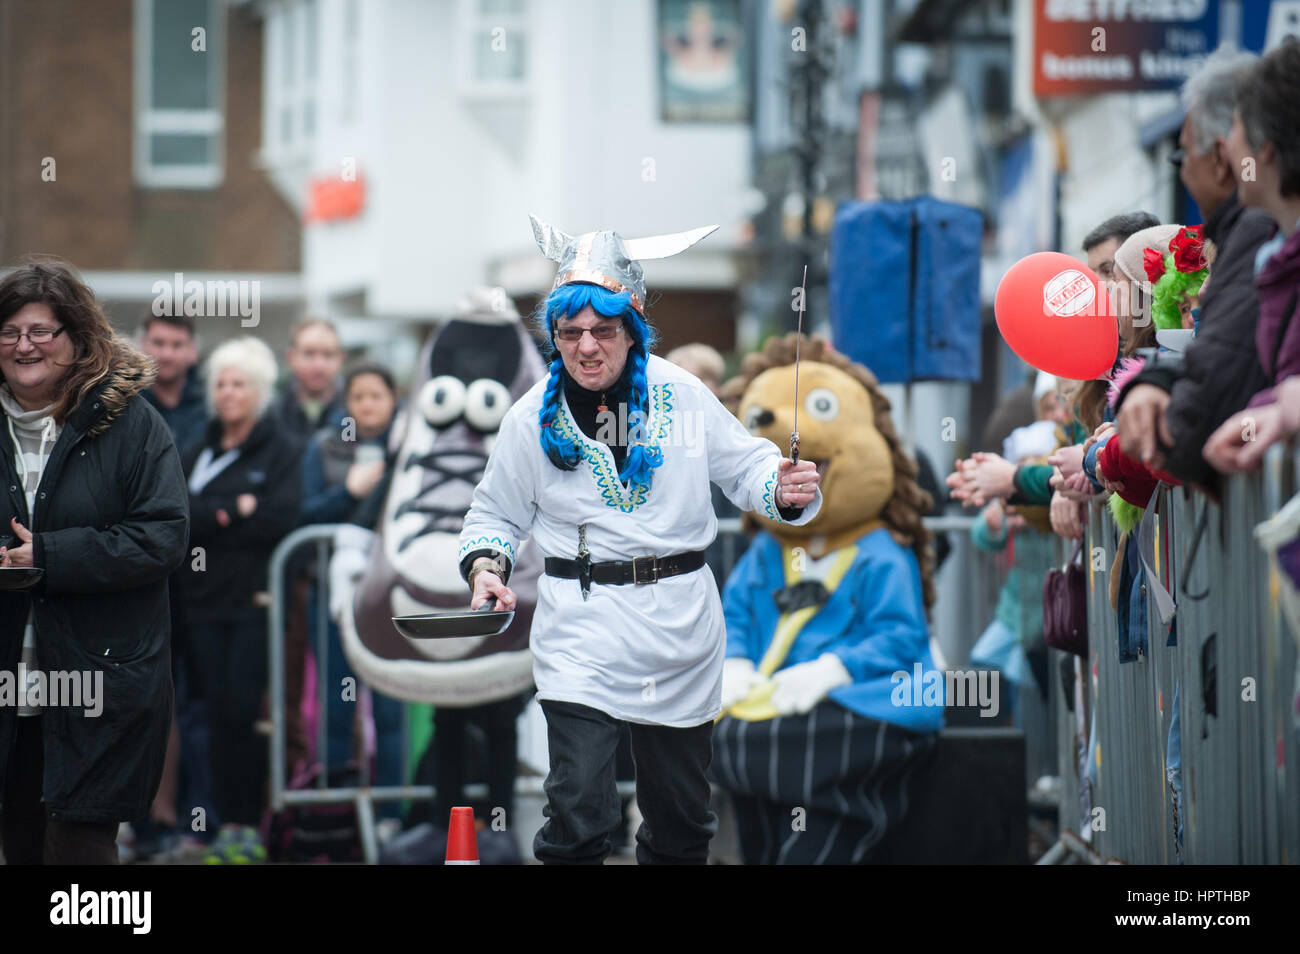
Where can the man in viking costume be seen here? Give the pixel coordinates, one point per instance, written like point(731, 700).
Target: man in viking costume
point(606, 465)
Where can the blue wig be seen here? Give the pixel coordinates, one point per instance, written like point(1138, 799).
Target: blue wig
point(565, 302)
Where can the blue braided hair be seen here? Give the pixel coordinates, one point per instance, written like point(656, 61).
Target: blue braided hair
point(565, 302)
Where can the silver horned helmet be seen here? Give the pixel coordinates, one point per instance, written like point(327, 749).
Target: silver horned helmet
point(607, 259)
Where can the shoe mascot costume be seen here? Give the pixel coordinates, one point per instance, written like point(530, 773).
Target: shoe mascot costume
point(471, 370)
point(822, 727)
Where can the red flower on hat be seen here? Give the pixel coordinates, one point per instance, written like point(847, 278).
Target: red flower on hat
point(1154, 263)
point(1188, 246)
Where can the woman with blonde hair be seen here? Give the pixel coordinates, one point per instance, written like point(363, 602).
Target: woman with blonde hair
point(245, 493)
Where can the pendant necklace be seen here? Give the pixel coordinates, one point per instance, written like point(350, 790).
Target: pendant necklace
point(601, 406)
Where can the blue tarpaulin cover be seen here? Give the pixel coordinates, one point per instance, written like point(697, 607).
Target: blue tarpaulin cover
point(904, 288)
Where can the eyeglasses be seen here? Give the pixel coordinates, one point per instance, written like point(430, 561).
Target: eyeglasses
point(601, 333)
point(1177, 156)
point(37, 336)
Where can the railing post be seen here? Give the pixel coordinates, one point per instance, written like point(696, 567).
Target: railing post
point(275, 651)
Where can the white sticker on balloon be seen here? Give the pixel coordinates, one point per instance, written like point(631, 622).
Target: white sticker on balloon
point(1068, 293)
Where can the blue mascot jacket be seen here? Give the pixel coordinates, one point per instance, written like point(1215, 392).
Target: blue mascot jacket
point(874, 621)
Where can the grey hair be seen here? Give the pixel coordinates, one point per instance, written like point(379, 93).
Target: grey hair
point(254, 358)
point(1209, 95)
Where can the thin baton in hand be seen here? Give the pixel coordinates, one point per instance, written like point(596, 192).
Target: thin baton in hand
point(794, 435)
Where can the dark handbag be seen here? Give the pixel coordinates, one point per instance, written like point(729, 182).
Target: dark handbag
point(1065, 607)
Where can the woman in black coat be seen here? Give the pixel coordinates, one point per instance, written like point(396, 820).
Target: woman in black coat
point(245, 493)
point(93, 494)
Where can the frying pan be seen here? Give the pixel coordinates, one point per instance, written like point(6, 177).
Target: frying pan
point(19, 577)
point(484, 621)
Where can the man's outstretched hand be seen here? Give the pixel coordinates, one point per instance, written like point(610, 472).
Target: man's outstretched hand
point(796, 484)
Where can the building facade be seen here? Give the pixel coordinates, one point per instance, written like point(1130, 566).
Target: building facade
point(128, 136)
point(439, 125)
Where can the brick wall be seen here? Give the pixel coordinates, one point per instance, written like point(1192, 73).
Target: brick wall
point(66, 92)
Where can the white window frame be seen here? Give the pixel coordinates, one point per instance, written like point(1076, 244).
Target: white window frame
point(290, 19)
point(150, 121)
point(470, 20)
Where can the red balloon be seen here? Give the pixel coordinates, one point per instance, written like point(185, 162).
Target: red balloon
point(1056, 315)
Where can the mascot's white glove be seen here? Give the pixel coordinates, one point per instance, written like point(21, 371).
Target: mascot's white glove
point(801, 687)
point(347, 566)
point(738, 678)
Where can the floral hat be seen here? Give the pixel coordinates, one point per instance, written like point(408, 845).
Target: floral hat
point(1175, 274)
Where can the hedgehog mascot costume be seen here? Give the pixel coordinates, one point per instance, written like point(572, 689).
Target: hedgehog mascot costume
point(829, 694)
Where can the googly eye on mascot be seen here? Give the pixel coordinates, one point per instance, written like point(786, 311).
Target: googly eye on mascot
point(471, 370)
point(827, 625)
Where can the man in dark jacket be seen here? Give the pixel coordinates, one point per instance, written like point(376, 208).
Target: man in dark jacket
point(1166, 413)
point(311, 399)
point(177, 392)
point(178, 396)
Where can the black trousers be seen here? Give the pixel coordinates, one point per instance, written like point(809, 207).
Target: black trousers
point(452, 742)
point(27, 836)
point(229, 670)
point(582, 803)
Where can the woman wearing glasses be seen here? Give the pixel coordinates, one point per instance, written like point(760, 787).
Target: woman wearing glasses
point(91, 492)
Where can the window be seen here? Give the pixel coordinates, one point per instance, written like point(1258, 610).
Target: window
point(179, 123)
point(495, 58)
point(292, 38)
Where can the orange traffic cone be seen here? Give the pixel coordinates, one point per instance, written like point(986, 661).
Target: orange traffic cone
point(462, 844)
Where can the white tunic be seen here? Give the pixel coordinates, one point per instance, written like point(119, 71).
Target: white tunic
point(652, 653)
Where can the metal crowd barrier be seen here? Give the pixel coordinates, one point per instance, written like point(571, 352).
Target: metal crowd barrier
point(1234, 669)
point(363, 796)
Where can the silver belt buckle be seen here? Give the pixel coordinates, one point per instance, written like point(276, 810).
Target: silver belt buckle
point(653, 570)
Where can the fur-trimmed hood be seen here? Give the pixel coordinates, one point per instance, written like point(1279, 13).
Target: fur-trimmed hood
point(133, 371)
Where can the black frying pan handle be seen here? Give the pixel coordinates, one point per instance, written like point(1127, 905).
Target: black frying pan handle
point(490, 605)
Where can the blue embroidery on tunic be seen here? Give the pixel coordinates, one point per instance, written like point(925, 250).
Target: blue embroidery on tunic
point(487, 543)
point(611, 487)
point(769, 500)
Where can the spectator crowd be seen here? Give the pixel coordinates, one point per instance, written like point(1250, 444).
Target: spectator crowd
point(1207, 377)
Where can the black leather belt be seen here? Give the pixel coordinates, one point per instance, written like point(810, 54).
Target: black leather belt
point(642, 570)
